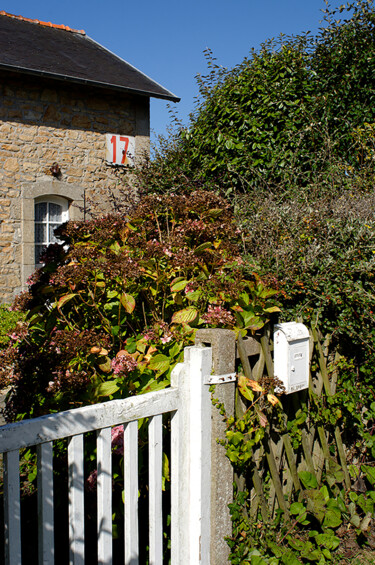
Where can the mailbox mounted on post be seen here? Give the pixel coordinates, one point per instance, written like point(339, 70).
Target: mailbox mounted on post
point(291, 355)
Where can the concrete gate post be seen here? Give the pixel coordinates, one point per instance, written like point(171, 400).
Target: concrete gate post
point(223, 357)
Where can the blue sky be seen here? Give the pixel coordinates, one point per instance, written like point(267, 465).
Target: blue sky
point(166, 39)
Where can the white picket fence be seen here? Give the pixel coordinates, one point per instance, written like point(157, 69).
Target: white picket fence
point(189, 403)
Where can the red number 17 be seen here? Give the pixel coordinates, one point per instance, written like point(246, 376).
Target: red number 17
point(124, 151)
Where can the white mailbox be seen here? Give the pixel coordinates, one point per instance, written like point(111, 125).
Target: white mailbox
point(291, 355)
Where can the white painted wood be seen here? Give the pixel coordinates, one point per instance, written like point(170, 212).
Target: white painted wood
point(200, 364)
point(85, 419)
point(46, 546)
point(180, 468)
point(194, 459)
point(104, 495)
point(76, 501)
point(155, 447)
point(12, 508)
point(131, 493)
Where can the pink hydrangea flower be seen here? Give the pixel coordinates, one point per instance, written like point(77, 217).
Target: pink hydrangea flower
point(91, 480)
point(117, 435)
point(123, 363)
point(218, 316)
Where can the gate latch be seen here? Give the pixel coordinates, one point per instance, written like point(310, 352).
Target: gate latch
point(219, 379)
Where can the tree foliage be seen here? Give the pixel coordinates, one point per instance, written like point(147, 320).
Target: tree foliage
point(281, 115)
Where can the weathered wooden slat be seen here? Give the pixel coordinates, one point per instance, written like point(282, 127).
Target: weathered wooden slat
point(46, 551)
point(275, 475)
point(104, 495)
point(131, 493)
point(316, 454)
point(12, 508)
point(250, 347)
point(266, 348)
point(76, 501)
point(306, 439)
point(258, 368)
point(86, 419)
point(155, 445)
point(324, 444)
point(342, 457)
point(277, 452)
point(291, 461)
point(322, 361)
point(244, 357)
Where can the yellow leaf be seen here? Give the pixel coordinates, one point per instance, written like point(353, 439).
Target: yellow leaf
point(99, 350)
point(254, 385)
point(273, 399)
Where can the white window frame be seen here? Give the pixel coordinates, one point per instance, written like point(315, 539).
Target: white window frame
point(64, 203)
point(44, 190)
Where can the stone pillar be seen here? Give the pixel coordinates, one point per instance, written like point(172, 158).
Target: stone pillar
point(223, 357)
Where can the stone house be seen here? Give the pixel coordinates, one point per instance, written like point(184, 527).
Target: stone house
point(71, 114)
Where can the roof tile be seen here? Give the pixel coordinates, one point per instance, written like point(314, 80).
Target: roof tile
point(46, 24)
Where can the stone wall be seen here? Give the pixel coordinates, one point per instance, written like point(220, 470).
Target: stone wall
point(43, 122)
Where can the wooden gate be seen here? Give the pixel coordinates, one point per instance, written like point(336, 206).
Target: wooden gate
point(188, 401)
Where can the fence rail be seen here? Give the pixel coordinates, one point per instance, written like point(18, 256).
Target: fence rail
point(188, 401)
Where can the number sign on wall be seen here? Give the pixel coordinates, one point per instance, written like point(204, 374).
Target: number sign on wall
point(120, 149)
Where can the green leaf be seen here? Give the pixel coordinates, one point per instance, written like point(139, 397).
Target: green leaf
point(308, 479)
point(165, 470)
point(369, 472)
point(332, 518)
point(179, 285)
point(296, 508)
point(272, 309)
point(159, 363)
point(64, 299)
point(289, 558)
point(185, 316)
point(112, 294)
point(107, 388)
point(128, 302)
point(105, 364)
point(329, 541)
point(206, 245)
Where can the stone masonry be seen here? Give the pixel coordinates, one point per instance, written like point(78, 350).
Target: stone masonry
point(45, 122)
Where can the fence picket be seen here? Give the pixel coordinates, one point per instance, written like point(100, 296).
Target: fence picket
point(104, 495)
point(12, 508)
point(45, 503)
point(155, 443)
point(131, 493)
point(76, 501)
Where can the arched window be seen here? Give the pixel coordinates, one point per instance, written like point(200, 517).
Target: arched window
point(50, 212)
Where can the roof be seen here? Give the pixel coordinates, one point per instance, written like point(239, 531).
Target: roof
point(59, 52)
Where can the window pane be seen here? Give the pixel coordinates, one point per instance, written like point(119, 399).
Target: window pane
point(40, 233)
point(39, 249)
point(41, 212)
point(52, 237)
point(55, 213)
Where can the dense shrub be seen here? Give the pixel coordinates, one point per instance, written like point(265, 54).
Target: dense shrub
point(117, 300)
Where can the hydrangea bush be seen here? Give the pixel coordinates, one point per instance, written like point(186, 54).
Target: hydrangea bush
point(119, 298)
